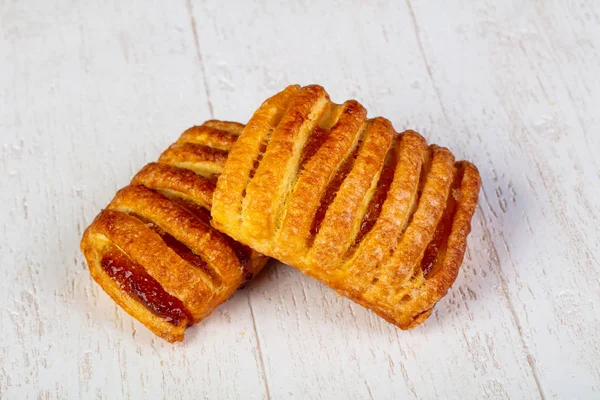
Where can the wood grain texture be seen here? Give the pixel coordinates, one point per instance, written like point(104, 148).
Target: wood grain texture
point(90, 92)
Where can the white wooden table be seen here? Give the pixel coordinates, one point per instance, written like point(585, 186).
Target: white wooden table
point(90, 91)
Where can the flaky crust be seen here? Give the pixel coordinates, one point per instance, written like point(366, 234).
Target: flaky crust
point(173, 197)
point(380, 217)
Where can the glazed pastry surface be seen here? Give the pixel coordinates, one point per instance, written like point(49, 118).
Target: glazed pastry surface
point(380, 217)
point(153, 249)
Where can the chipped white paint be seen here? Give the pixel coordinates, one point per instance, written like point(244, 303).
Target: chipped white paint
point(90, 91)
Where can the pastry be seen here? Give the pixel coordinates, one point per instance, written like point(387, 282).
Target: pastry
point(153, 249)
point(380, 217)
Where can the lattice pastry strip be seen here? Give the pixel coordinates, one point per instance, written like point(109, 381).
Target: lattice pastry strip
point(380, 217)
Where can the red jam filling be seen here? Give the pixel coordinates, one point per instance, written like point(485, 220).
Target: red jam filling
point(383, 186)
point(137, 283)
point(332, 190)
point(243, 253)
point(184, 252)
point(315, 141)
point(181, 249)
point(440, 237)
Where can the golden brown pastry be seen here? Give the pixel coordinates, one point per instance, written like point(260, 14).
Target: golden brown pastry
point(153, 249)
point(382, 218)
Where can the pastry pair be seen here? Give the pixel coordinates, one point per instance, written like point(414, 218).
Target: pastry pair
point(380, 217)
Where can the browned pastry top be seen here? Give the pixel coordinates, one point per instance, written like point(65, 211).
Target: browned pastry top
point(380, 217)
point(153, 249)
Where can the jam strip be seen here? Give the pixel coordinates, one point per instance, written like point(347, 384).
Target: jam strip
point(442, 232)
point(242, 252)
point(261, 152)
point(332, 189)
point(383, 186)
point(178, 247)
point(244, 255)
point(314, 142)
point(137, 283)
point(425, 169)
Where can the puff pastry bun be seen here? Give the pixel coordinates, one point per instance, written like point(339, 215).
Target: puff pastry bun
point(380, 217)
point(153, 249)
